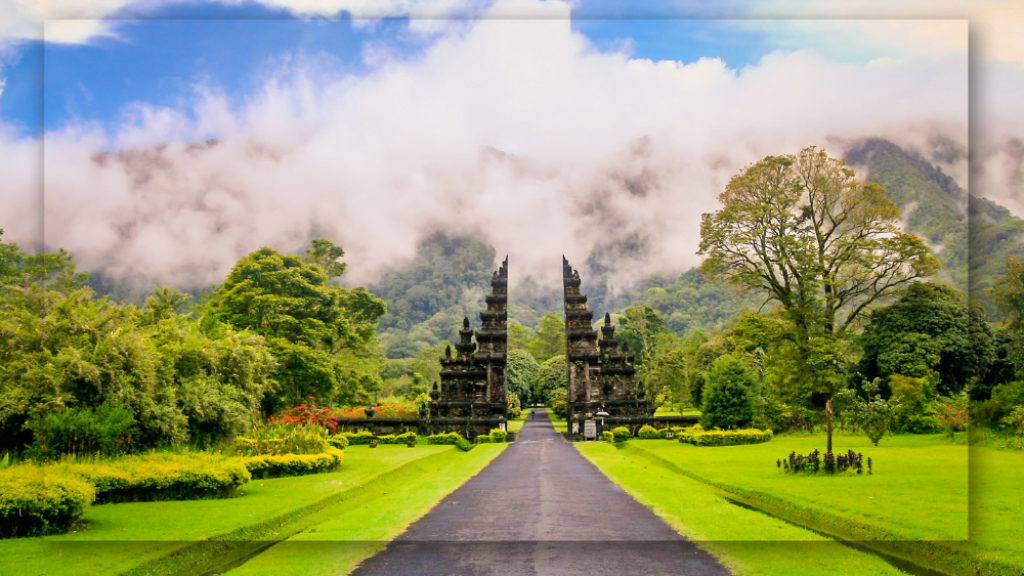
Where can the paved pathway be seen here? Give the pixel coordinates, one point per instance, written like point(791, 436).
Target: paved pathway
point(540, 508)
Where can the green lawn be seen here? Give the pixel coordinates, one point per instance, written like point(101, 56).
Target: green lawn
point(731, 533)
point(122, 536)
point(344, 538)
point(917, 499)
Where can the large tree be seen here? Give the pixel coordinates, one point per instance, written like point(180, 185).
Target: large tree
point(825, 245)
point(323, 336)
point(550, 339)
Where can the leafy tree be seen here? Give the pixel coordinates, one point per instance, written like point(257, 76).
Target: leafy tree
point(518, 336)
point(729, 395)
point(1008, 292)
point(550, 340)
point(550, 378)
point(522, 371)
point(874, 415)
point(558, 402)
point(323, 336)
point(930, 328)
point(808, 234)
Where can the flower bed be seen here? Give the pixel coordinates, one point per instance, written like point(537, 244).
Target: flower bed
point(34, 503)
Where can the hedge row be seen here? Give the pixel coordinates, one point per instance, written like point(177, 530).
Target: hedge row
point(158, 476)
point(497, 436)
point(364, 437)
point(725, 437)
point(34, 503)
point(294, 464)
point(444, 438)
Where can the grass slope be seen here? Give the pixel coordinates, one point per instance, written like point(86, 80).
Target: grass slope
point(343, 539)
point(733, 534)
point(123, 536)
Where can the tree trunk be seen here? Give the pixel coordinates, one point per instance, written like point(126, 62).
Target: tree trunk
point(828, 423)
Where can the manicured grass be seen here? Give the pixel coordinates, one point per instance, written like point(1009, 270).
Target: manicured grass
point(731, 533)
point(561, 425)
point(122, 536)
point(923, 474)
point(344, 538)
point(997, 505)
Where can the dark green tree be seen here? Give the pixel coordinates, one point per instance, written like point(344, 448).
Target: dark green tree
point(522, 371)
point(728, 395)
point(550, 377)
point(550, 340)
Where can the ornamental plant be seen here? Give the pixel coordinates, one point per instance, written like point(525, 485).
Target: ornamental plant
point(830, 463)
point(953, 413)
point(306, 414)
point(1015, 420)
point(621, 433)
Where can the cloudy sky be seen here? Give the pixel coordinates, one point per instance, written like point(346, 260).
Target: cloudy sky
point(161, 140)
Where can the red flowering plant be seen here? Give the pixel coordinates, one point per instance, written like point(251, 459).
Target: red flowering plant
point(305, 414)
point(953, 413)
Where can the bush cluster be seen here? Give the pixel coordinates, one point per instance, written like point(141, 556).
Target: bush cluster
point(105, 430)
point(157, 476)
point(621, 434)
point(449, 438)
point(407, 438)
point(338, 441)
point(279, 438)
point(498, 435)
point(699, 437)
point(360, 438)
point(33, 503)
point(607, 436)
point(294, 464)
point(831, 463)
point(648, 432)
point(463, 444)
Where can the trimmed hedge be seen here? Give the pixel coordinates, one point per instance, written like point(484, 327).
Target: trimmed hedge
point(358, 438)
point(648, 432)
point(498, 435)
point(450, 438)
point(607, 436)
point(621, 434)
point(340, 442)
point(35, 503)
point(725, 437)
point(463, 444)
point(159, 476)
point(294, 464)
point(399, 439)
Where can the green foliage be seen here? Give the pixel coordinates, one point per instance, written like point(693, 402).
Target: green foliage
point(874, 415)
point(515, 408)
point(103, 431)
point(338, 441)
point(498, 435)
point(294, 464)
point(550, 339)
point(607, 436)
point(725, 437)
point(916, 413)
point(323, 336)
point(522, 370)
point(930, 327)
point(275, 439)
point(558, 402)
point(35, 504)
point(518, 337)
point(1014, 420)
point(1005, 398)
point(361, 438)
point(648, 432)
point(550, 378)
point(449, 438)
point(729, 395)
point(157, 476)
point(621, 434)
point(464, 445)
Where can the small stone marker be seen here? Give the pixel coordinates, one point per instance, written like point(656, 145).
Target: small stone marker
point(669, 434)
point(590, 430)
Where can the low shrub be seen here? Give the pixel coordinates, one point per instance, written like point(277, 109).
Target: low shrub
point(850, 462)
point(358, 438)
point(607, 436)
point(724, 437)
point(277, 438)
point(158, 476)
point(338, 441)
point(397, 439)
point(34, 503)
point(621, 434)
point(104, 430)
point(483, 439)
point(449, 438)
point(294, 464)
point(648, 432)
point(498, 435)
point(463, 444)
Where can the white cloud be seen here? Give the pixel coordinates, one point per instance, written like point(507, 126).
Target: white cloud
point(519, 131)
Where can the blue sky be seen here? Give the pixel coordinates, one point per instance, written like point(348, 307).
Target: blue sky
point(161, 58)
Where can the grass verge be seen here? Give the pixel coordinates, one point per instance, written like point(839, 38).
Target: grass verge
point(345, 537)
point(116, 538)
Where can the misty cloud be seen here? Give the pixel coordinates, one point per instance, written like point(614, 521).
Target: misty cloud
point(519, 132)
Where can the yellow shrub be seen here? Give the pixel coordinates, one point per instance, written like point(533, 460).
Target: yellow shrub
point(294, 464)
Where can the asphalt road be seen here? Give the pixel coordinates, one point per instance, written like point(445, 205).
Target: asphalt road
point(540, 508)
